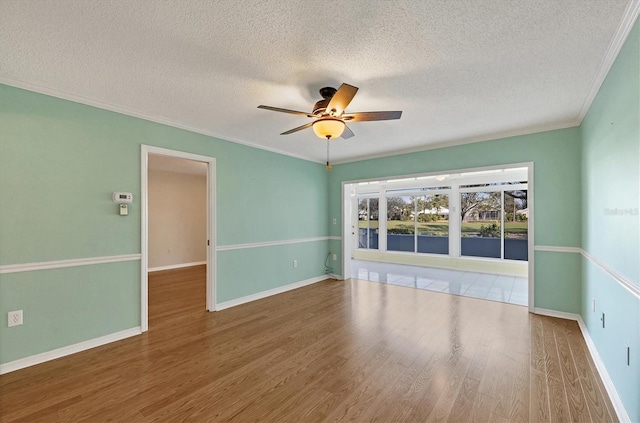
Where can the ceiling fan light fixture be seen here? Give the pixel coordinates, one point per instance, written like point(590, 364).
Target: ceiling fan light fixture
point(328, 127)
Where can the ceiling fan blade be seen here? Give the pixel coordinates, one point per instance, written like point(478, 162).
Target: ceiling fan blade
point(341, 99)
point(347, 133)
point(371, 116)
point(278, 109)
point(299, 128)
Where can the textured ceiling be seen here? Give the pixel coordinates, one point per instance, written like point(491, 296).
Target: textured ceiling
point(459, 70)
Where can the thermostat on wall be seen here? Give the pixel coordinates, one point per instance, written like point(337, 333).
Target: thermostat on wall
point(122, 197)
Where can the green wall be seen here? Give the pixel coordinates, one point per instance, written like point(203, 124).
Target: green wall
point(611, 220)
point(557, 193)
point(59, 163)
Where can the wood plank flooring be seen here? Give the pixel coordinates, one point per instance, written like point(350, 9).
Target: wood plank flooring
point(332, 351)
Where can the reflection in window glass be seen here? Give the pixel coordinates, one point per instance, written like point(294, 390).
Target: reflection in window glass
point(516, 220)
point(400, 223)
point(480, 224)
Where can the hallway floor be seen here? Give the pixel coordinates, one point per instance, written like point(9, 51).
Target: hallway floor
point(506, 289)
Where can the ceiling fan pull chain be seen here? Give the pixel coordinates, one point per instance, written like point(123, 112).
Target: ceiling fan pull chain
point(328, 167)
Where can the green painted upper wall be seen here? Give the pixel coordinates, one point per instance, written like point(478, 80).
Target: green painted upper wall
point(60, 161)
point(611, 221)
point(611, 166)
point(557, 176)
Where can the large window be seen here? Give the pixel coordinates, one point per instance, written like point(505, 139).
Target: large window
point(432, 224)
point(494, 224)
point(368, 223)
point(401, 227)
point(480, 224)
point(516, 228)
point(418, 223)
point(490, 213)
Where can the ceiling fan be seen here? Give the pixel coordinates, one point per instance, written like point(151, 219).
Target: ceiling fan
point(330, 118)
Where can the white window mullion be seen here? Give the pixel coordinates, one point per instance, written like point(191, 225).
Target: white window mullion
point(454, 222)
point(368, 221)
point(502, 225)
point(415, 224)
point(382, 222)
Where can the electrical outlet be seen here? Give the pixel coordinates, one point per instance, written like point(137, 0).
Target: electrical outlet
point(14, 318)
point(335, 221)
point(295, 263)
point(335, 257)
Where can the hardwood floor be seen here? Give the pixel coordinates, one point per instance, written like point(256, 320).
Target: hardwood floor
point(332, 351)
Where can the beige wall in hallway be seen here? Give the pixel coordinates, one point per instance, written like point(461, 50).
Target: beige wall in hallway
point(177, 218)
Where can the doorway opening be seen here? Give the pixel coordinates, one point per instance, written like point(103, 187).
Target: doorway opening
point(460, 224)
point(178, 230)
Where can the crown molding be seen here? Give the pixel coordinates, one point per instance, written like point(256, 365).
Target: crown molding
point(134, 113)
point(6, 80)
point(463, 141)
point(626, 24)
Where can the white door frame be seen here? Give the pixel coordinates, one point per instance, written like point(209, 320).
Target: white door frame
point(349, 232)
point(146, 150)
point(347, 219)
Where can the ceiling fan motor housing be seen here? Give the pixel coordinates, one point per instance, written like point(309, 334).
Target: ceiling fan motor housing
point(321, 106)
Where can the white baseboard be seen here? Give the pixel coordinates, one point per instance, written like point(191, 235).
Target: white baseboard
point(602, 370)
point(68, 350)
point(176, 266)
point(558, 314)
point(606, 379)
point(270, 292)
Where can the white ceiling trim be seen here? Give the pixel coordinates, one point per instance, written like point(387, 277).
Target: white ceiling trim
point(453, 143)
point(134, 113)
point(129, 112)
point(626, 24)
point(631, 13)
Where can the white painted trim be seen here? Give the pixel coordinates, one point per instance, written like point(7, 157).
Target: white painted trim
point(68, 350)
point(626, 24)
point(57, 264)
point(463, 141)
point(145, 151)
point(144, 241)
point(531, 220)
point(555, 249)
point(274, 243)
point(624, 282)
point(602, 370)
point(176, 266)
point(555, 313)
point(440, 172)
point(270, 292)
point(130, 112)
